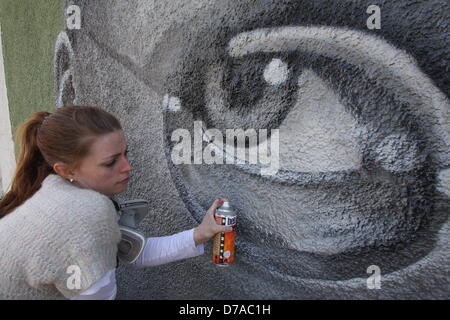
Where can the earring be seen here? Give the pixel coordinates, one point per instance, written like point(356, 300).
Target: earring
point(71, 180)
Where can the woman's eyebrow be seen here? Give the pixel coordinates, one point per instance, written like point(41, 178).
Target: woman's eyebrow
point(115, 155)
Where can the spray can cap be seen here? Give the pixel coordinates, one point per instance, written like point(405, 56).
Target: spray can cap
point(226, 203)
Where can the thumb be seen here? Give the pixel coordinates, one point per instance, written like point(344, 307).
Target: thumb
point(216, 204)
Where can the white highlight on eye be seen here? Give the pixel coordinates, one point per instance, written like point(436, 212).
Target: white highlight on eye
point(391, 67)
point(171, 103)
point(276, 72)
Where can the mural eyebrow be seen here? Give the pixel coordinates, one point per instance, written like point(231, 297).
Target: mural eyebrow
point(380, 60)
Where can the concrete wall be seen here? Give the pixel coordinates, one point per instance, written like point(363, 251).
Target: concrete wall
point(363, 124)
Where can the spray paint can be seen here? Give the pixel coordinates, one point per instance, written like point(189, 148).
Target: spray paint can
point(223, 247)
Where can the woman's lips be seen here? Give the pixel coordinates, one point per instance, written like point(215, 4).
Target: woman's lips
point(125, 181)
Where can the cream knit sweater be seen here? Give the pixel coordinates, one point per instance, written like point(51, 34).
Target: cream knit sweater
point(60, 233)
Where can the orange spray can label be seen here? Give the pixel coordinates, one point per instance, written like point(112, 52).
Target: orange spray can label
point(223, 247)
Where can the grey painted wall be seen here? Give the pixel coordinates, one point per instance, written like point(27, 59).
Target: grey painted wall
point(363, 120)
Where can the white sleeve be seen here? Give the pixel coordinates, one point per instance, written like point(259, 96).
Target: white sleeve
point(104, 289)
point(162, 250)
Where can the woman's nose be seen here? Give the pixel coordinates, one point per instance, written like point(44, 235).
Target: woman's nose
point(126, 166)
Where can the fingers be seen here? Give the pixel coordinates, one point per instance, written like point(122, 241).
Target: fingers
point(216, 204)
point(227, 229)
point(222, 229)
point(219, 202)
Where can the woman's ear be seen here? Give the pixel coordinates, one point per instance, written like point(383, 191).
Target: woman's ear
point(63, 59)
point(64, 170)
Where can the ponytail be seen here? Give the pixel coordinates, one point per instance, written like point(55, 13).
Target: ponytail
point(31, 168)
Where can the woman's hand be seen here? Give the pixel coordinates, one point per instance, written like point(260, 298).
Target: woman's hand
point(209, 228)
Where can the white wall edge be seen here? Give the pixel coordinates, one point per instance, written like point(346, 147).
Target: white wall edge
point(7, 156)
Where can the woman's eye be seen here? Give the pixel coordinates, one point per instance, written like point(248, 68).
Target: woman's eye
point(115, 160)
point(111, 163)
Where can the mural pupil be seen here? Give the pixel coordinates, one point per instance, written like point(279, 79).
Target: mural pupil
point(260, 88)
point(245, 82)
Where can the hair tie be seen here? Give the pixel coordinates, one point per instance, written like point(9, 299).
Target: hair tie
point(44, 120)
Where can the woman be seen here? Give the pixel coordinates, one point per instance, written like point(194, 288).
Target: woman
point(58, 228)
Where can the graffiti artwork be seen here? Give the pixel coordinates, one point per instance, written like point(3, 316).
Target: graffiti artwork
point(326, 124)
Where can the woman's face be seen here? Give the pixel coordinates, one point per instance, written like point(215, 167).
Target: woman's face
point(106, 168)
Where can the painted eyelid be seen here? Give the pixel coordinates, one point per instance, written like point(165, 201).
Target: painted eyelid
point(380, 59)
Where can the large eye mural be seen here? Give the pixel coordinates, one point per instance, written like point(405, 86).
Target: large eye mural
point(362, 140)
point(353, 123)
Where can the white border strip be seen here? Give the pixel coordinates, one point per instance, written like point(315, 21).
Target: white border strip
point(7, 156)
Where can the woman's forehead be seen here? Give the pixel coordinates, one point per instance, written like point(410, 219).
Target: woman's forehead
point(108, 144)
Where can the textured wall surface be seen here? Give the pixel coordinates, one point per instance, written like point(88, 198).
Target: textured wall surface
point(363, 120)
